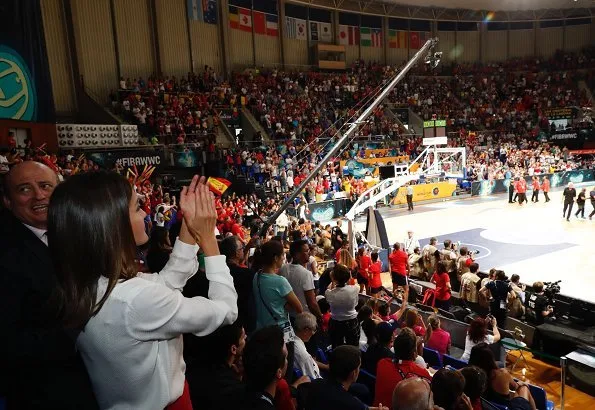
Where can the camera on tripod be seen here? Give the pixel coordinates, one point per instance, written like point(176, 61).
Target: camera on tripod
point(551, 289)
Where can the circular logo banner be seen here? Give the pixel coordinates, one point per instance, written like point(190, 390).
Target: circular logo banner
point(18, 100)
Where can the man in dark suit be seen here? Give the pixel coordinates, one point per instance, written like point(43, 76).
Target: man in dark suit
point(39, 366)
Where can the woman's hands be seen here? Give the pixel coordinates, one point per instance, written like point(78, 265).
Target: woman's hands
point(198, 206)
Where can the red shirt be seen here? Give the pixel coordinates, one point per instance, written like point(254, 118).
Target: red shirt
point(398, 262)
point(364, 265)
point(546, 185)
point(439, 340)
point(521, 187)
point(236, 229)
point(283, 400)
point(375, 271)
point(442, 292)
point(388, 376)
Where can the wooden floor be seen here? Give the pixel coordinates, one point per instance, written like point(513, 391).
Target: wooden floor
point(548, 377)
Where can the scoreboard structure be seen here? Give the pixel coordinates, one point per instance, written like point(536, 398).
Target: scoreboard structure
point(434, 128)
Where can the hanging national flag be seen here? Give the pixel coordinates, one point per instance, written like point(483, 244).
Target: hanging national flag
point(202, 10)
point(245, 19)
point(376, 35)
point(260, 26)
point(397, 39)
point(314, 30)
point(365, 36)
point(325, 32)
point(414, 39)
point(218, 185)
point(301, 29)
point(295, 28)
point(234, 18)
point(194, 9)
point(272, 25)
point(348, 35)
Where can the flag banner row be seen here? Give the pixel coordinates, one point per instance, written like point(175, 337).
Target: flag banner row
point(245, 19)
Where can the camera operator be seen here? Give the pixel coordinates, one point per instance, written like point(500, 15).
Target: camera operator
point(501, 290)
point(538, 305)
point(448, 256)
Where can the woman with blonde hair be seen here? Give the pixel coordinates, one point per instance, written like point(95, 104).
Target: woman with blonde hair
point(347, 260)
point(437, 338)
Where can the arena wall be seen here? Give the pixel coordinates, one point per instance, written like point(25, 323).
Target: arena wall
point(496, 45)
point(447, 45)
point(549, 40)
point(172, 35)
point(521, 43)
point(94, 39)
point(206, 46)
point(133, 31)
point(58, 56)
point(468, 46)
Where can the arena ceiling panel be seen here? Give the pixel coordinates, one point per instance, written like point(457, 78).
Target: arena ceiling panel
point(463, 10)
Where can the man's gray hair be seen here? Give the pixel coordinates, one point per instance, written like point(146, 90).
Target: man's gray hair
point(305, 320)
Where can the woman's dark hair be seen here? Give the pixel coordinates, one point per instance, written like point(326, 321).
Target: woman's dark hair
point(500, 275)
point(441, 268)
point(90, 236)
point(323, 305)
point(158, 241)
point(161, 209)
point(475, 382)
point(405, 345)
point(478, 329)
point(266, 253)
point(369, 328)
point(364, 313)
point(384, 309)
point(341, 274)
point(374, 256)
point(447, 388)
point(263, 356)
point(411, 318)
point(483, 357)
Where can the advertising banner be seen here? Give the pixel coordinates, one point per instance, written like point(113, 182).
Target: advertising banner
point(128, 158)
point(25, 83)
point(556, 113)
point(187, 157)
point(368, 166)
point(424, 192)
point(559, 179)
point(569, 138)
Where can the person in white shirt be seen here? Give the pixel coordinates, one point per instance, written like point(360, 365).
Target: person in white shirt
point(300, 278)
point(129, 326)
point(305, 328)
point(411, 243)
point(343, 327)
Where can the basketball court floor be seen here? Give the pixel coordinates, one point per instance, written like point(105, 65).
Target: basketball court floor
point(532, 240)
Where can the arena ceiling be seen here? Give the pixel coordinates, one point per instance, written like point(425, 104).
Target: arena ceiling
point(463, 10)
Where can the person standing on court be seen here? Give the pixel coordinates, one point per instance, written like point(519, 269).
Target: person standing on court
point(592, 197)
point(569, 194)
point(41, 368)
point(399, 268)
point(535, 186)
point(511, 191)
point(409, 197)
point(521, 189)
point(545, 187)
point(580, 202)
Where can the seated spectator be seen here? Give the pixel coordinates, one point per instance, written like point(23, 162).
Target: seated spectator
point(499, 381)
point(305, 328)
point(390, 373)
point(447, 389)
point(475, 385)
point(265, 364)
point(436, 337)
point(216, 382)
point(344, 365)
point(380, 349)
point(343, 298)
point(413, 394)
point(478, 333)
point(159, 249)
point(415, 322)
